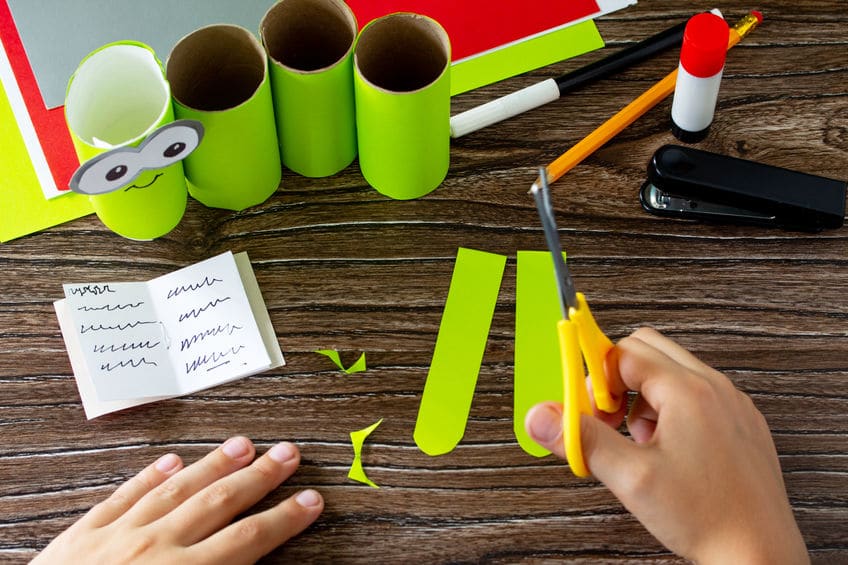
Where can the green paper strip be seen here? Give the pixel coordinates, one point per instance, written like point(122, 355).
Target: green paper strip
point(117, 97)
point(538, 372)
point(403, 129)
point(219, 75)
point(532, 54)
point(357, 367)
point(459, 350)
point(314, 108)
point(357, 473)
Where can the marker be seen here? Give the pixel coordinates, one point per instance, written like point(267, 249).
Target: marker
point(551, 89)
point(635, 109)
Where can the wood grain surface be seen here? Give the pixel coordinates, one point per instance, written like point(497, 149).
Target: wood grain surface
point(342, 267)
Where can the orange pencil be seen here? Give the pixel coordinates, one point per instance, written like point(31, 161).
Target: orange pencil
point(634, 110)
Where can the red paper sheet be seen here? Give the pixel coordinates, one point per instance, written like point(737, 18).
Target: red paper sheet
point(49, 124)
point(475, 26)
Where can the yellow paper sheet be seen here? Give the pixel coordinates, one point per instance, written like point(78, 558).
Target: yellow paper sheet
point(23, 208)
point(357, 438)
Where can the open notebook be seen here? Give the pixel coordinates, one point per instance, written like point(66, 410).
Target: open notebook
point(136, 342)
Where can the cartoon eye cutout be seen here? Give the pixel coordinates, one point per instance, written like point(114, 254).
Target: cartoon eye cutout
point(107, 172)
point(171, 143)
point(119, 167)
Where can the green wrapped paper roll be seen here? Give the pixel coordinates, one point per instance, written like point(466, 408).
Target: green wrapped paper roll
point(310, 47)
point(117, 97)
point(402, 88)
point(219, 77)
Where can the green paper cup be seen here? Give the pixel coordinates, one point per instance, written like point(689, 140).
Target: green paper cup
point(219, 77)
point(402, 86)
point(117, 97)
point(310, 46)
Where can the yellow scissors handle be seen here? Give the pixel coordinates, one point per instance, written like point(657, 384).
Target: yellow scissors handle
point(580, 338)
point(576, 397)
point(595, 346)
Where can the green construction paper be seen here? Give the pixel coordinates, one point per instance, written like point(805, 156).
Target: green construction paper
point(532, 54)
point(357, 473)
point(538, 372)
point(237, 165)
point(403, 137)
point(357, 367)
point(23, 208)
point(117, 97)
point(460, 345)
point(314, 109)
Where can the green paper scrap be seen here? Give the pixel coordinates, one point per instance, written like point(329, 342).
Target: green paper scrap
point(532, 54)
point(117, 97)
point(314, 109)
point(403, 136)
point(23, 208)
point(538, 372)
point(357, 367)
point(357, 438)
point(460, 345)
point(213, 72)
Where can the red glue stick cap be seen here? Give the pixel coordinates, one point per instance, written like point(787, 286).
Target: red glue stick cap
point(704, 45)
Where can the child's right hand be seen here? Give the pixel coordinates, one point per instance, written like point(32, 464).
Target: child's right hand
point(701, 472)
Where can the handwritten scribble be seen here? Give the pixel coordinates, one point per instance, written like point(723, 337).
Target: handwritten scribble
point(110, 307)
point(128, 363)
point(126, 346)
point(217, 366)
point(228, 329)
point(118, 327)
point(195, 312)
point(93, 289)
point(192, 287)
point(216, 358)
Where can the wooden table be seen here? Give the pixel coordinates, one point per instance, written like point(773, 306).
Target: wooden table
point(342, 267)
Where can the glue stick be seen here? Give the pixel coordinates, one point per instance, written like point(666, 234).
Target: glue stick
point(699, 76)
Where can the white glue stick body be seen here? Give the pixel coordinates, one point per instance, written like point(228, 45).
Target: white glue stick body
point(702, 58)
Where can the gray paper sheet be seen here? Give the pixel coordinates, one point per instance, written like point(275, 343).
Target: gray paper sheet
point(58, 34)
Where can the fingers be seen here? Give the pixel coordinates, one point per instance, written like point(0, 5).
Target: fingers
point(215, 506)
point(234, 454)
point(543, 424)
point(250, 538)
point(605, 451)
point(651, 372)
point(673, 350)
point(133, 490)
point(642, 420)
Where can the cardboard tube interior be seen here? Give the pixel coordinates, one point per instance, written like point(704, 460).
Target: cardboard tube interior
point(402, 52)
point(308, 35)
point(217, 67)
point(116, 96)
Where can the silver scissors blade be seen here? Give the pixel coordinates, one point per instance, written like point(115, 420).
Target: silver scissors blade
point(565, 284)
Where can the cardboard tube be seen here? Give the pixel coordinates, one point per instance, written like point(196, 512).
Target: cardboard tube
point(117, 97)
point(219, 77)
point(402, 87)
point(310, 46)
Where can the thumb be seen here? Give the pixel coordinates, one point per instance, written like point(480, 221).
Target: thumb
point(607, 453)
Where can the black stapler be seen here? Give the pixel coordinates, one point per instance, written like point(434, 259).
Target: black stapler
point(689, 183)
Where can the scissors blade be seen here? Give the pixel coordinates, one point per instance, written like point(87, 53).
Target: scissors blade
point(565, 284)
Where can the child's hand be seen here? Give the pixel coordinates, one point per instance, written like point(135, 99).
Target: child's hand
point(171, 514)
point(701, 472)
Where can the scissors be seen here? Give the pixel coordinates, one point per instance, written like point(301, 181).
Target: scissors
point(580, 339)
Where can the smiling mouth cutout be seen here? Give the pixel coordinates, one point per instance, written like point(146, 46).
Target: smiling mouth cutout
point(146, 185)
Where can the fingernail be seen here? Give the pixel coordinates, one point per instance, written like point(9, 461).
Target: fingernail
point(545, 425)
point(236, 447)
point(167, 463)
point(282, 452)
point(308, 498)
